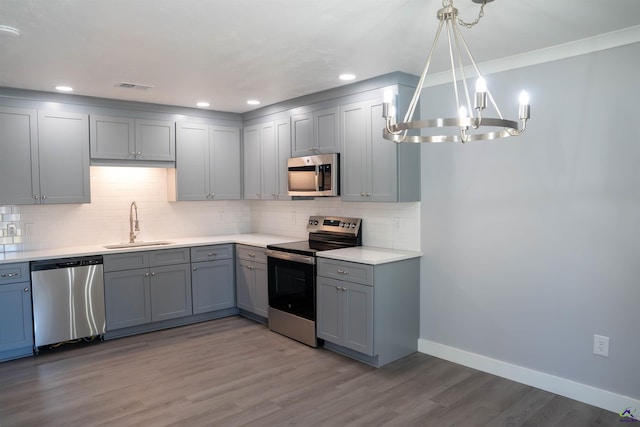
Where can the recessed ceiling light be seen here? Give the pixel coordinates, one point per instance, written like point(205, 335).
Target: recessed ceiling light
point(9, 30)
point(253, 102)
point(64, 88)
point(203, 104)
point(347, 76)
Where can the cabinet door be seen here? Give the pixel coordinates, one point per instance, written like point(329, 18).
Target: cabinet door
point(329, 309)
point(212, 284)
point(155, 140)
point(192, 162)
point(325, 129)
point(112, 137)
point(382, 168)
point(244, 285)
point(19, 172)
point(225, 179)
point(283, 146)
point(16, 324)
point(269, 161)
point(170, 292)
point(127, 298)
point(357, 326)
point(252, 154)
point(63, 144)
point(353, 161)
point(302, 142)
point(261, 293)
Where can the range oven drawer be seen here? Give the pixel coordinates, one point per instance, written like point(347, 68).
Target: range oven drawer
point(344, 270)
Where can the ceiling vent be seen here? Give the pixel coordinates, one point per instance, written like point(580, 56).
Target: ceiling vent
point(127, 85)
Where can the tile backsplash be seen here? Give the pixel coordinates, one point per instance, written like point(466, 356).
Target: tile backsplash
point(106, 219)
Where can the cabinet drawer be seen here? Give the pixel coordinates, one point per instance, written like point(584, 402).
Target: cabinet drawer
point(14, 273)
point(348, 271)
point(169, 257)
point(252, 253)
point(211, 252)
point(126, 261)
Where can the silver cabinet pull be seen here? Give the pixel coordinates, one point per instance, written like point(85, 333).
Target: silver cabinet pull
point(8, 274)
point(36, 197)
point(26, 289)
point(195, 268)
point(139, 153)
point(44, 197)
point(153, 273)
point(342, 271)
point(252, 255)
point(212, 254)
point(146, 274)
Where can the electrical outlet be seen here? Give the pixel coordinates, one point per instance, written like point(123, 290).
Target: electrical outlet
point(601, 345)
point(396, 224)
point(12, 230)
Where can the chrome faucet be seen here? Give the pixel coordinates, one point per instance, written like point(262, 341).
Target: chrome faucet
point(134, 225)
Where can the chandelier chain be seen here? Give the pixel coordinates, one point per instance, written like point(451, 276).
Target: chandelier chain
point(480, 15)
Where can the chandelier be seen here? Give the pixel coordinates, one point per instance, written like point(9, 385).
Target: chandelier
point(468, 126)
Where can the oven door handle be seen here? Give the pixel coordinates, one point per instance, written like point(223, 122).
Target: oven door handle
point(287, 256)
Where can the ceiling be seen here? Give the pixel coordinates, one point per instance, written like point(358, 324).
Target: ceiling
point(228, 51)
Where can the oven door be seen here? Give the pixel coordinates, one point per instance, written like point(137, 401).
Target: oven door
point(291, 283)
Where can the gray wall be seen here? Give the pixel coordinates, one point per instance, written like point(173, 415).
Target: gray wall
point(532, 244)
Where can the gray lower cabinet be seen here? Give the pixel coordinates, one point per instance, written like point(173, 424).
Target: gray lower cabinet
point(251, 280)
point(46, 157)
point(144, 287)
point(374, 169)
point(208, 163)
point(139, 140)
point(369, 312)
point(345, 314)
point(16, 321)
point(212, 278)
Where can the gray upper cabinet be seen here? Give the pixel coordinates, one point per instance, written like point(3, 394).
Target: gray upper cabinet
point(64, 157)
point(207, 163)
point(46, 157)
point(267, 146)
point(127, 139)
point(315, 132)
point(374, 169)
point(19, 170)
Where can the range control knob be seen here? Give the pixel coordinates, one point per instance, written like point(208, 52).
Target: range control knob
point(315, 222)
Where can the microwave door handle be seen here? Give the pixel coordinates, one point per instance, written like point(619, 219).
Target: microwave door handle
point(321, 169)
point(317, 188)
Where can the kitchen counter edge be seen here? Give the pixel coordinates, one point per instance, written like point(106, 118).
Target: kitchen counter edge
point(369, 255)
point(252, 239)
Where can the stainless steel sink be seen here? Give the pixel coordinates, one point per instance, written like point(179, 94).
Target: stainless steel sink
point(137, 244)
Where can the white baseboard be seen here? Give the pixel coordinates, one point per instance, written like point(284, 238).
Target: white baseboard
point(574, 390)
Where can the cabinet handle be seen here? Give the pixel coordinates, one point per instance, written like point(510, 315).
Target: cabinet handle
point(212, 254)
point(258, 194)
point(146, 274)
point(8, 274)
point(212, 195)
point(153, 273)
point(344, 289)
point(139, 153)
point(133, 153)
point(342, 271)
point(44, 197)
point(36, 197)
point(26, 289)
point(195, 268)
point(251, 255)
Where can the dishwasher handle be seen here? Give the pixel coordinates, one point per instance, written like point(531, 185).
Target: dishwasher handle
point(53, 264)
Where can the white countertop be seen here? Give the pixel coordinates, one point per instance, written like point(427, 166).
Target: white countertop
point(261, 240)
point(369, 255)
point(361, 254)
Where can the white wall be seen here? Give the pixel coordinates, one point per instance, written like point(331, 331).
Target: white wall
point(531, 244)
point(106, 219)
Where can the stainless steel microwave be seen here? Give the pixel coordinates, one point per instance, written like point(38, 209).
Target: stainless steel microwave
point(314, 175)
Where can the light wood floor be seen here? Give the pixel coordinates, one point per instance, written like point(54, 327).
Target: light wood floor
point(233, 372)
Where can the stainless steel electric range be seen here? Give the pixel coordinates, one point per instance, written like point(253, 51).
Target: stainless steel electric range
point(292, 275)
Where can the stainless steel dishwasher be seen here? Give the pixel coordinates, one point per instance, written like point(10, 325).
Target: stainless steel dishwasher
point(68, 299)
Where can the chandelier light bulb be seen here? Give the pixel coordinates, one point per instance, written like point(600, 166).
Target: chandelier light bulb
point(481, 85)
point(462, 112)
point(523, 99)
